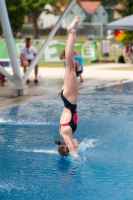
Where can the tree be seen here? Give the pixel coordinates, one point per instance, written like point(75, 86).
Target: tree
point(16, 14)
point(35, 7)
point(17, 9)
point(127, 10)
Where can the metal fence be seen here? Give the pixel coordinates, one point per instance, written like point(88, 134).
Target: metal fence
point(97, 29)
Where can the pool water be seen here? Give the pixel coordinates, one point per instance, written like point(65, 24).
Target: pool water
point(31, 168)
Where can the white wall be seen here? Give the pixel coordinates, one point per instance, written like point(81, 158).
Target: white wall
point(48, 20)
point(100, 15)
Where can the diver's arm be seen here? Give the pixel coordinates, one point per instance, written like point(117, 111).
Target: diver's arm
point(76, 53)
point(61, 90)
point(62, 54)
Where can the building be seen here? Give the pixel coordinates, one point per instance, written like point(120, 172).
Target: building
point(94, 11)
point(89, 12)
point(116, 14)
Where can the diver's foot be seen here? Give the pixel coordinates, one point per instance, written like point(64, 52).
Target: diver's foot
point(74, 25)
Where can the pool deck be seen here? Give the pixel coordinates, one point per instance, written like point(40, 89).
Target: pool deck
point(52, 80)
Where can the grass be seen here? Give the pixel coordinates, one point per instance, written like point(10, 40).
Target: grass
point(121, 68)
point(51, 64)
point(79, 39)
point(60, 64)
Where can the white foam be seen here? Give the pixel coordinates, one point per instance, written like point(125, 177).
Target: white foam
point(31, 123)
point(9, 186)
point(5, 121)
point(27, 122)
point(53, 151)
point(47, 151)
point(2, 139)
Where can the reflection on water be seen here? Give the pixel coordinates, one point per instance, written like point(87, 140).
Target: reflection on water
point(31, 168)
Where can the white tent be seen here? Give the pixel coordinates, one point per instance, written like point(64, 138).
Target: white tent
point(125, 23)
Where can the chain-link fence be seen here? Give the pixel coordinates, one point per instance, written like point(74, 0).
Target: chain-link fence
point(85, 29)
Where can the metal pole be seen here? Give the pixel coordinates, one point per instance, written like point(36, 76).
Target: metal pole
point(101, 30)
point(10, 43)
point(41, 51)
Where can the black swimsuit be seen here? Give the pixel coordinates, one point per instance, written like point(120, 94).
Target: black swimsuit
point(29, 61)
point(73, 109)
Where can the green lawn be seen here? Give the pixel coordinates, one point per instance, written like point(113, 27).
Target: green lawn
point(121, 68)
point(60, 64)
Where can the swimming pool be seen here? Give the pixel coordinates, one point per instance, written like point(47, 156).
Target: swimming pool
point(30, 167)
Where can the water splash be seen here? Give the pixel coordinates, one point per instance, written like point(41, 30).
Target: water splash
point(83, 146)
point(87, 144)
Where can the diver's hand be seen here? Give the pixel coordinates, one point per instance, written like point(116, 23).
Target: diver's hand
point(75, 156)
point(59, 93)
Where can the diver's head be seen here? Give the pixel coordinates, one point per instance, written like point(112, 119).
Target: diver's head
point(62, 148)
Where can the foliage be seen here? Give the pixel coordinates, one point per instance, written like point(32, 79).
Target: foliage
point(128, 10)
point(35, 7)
point(17, 9)
point(16, 14)
point(87, 19)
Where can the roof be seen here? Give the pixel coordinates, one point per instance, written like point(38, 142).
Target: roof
point(90, 6)
point(125, 23)
point(118, 6)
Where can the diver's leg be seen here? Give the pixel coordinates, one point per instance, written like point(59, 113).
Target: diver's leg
point(70, 80)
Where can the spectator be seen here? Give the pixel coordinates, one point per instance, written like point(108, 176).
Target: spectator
point(131, 50)
point(126, 54)
point(91, 40)
point(78, 63)
point(2, 77)
point(19, 35)
point(27, 54)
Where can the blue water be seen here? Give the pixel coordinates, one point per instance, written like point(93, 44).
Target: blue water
point(31, 168)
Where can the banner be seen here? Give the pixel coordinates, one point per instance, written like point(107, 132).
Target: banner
point(51, 54)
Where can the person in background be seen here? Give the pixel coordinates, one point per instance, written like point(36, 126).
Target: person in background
point(91, 40)
point(19, 35)
point(27, 54)
point(131, 51)
point(2, 77)
point(78, 63)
